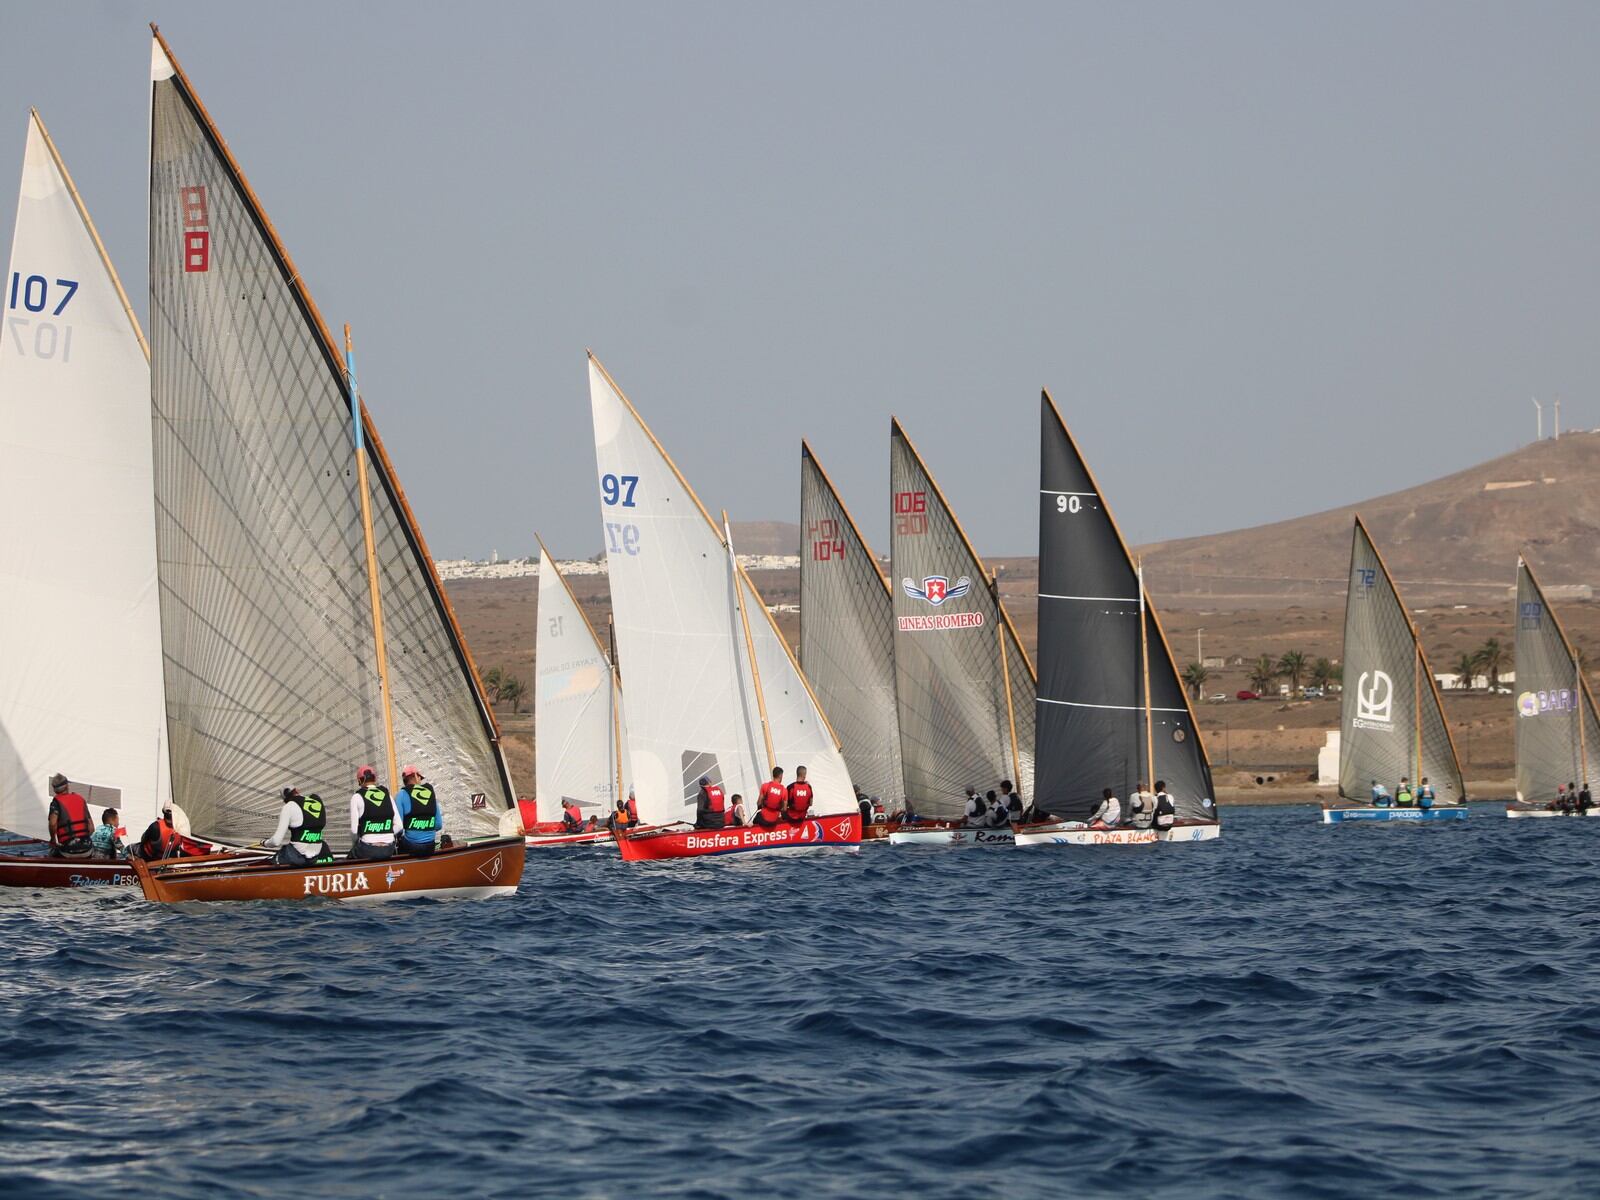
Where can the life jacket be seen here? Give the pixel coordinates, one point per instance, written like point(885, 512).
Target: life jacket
point(377, 815)
point(1166, 811)
point(423, 819)
point(313, 818)
point(773, 797)
point(72, 823)
point(799, 801)
point(165, 842)
point(633, 811)
point(713, 812)
point(1402, 795)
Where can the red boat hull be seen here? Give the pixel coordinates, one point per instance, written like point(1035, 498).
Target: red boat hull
point(835, 831)
point(476, 871)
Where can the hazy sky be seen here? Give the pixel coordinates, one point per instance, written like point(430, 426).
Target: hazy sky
point(1269, 258)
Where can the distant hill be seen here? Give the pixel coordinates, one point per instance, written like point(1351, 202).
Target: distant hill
point(766, 537)
point(1453, 537)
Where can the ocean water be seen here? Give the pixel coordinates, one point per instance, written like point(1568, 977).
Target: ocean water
point(1295, 1010)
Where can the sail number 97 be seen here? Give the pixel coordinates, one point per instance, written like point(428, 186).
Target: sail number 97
point(1069, 504)
point(616, 489)
point(34, 294)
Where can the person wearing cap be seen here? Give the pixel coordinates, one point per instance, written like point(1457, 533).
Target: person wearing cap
point(372, 818)
point(420, 818)
point(977, 811)
point(68, 819)
point(711, 811)
point(298, 840)
point(160, 838)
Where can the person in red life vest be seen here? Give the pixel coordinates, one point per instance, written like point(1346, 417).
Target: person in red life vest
point(798, 801)
point(735, 811)
point(70, 826)
point(712, 810)
point(571, 816)
point(161, 838)
point(633, 810)
point(770, 801)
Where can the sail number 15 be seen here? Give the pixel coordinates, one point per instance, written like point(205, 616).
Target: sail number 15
point(44, 338)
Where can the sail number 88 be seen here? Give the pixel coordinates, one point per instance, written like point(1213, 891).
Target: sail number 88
point(1069, 504)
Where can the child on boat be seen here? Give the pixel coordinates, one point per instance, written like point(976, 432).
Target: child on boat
point(103, 841)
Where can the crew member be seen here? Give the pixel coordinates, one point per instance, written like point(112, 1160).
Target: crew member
point(571, 816)
point(617, 822)
point(160, 838)
point(633, 810)
point(1402, 794)
point(1141, 807)
point(997, 817)
point(976, 809)
point(68, 819)
point(798, 804)
point(1034, 815)
point(771, 800)
point(1380, 795)
point(298, 838)
point(1166, 811)
point(736, 816)
point(104, 839)
point(1012, 801)
point(1425, 796)
point(371, 818)
point(711, 812)
point(864, 803)
point(907, 814)
point(418, 817)
point(1585, 801)
point(1109, 814)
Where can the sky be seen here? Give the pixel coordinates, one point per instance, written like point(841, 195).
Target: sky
point(1268, 258)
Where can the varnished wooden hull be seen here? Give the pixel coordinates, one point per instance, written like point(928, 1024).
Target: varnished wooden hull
point(468, 872)
point(39, 871)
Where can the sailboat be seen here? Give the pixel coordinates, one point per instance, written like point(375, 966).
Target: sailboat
point(80, 630)
point(963, 683)
point(1557, 733)
point(1113, 711)
point(1391, 723)
point(847, 641)
point(713, 689)
point(577, 707)
point(280, 523)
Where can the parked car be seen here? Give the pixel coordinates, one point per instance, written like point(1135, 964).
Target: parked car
point(1246, 694)
point(1219, 697)
point(1313, 693)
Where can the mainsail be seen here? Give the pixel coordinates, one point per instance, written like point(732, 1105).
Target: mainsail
point(1558, 735)
point(80, 627)
point(964, 685)
point(847, 635)
point(696, 694)
point(1099, 640)
point(271, 675)
point(1392, 719)
point(577, 705)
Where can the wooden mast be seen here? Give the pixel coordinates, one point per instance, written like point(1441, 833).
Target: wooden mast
point(372, 554)
point(616, 709)
point(1416, 704)
point(1011, 711)
point(1144, 671)
point(749, 642)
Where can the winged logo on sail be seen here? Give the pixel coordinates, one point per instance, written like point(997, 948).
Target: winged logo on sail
point(936, 589)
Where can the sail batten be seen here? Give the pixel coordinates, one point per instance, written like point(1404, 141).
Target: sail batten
point(1557, 730)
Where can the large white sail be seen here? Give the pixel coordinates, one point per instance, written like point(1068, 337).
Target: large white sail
point(693, 707)
point(80, 629)
point(271, 666)
point(577, 705)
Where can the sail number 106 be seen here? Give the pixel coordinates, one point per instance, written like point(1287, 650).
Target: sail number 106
point(35, 294)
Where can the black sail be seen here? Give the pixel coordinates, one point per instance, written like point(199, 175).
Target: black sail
point(1092, 724)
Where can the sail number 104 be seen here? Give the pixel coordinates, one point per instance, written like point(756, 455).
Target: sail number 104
point(40, 337)
point(826, 544)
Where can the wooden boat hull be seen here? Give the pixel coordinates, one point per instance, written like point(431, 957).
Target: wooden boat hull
point(1516, 811)
point(468, 872)
point(949, 833)
point(1359, 812)
point(833, 832)
point(878, 831)
point(39, 871)
point(535, 841)
point(1077, 833)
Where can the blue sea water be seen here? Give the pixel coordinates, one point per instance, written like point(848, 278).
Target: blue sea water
point(1295, 1010)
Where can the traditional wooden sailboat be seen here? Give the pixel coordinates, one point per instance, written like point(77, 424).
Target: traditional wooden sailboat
point(577, 716)
point(964, 687)
point(847, 641)
point(280, 523)
point(1557, 733)
point(713, 690)
point(1112, 709)
point(1391, 722)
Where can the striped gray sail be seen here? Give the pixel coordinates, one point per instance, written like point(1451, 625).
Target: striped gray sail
point(1391, 720)
point(271, 669)
point(964, 686)
point(1094, 732)
point(1557, 735)
point(847, 635)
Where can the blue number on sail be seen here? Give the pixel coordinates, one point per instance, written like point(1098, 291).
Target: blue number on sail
point(34, 292)
point(622, 539)
point(614, 488)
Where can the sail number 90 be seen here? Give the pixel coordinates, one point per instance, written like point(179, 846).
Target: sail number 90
point(615, 488)
point(1069, 504)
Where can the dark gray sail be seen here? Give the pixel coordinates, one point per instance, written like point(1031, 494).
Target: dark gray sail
point(847, 636)
point(1557, 735)
point(1094, 731)
point(270, 663)
point(1392, 720)
point(965, 688)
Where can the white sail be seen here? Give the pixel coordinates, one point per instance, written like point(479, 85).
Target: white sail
point(693, 708)
point(80, 628)
point(577, 701)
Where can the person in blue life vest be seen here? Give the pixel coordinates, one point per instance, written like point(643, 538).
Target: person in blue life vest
point(1403, 796)
point(711, 810)
point(69, 822)
point(1425, 796)
point(299, 837)
point(372, 818)
point(420, 817)
point(1380, 796)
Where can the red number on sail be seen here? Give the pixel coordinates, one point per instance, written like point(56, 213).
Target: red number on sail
point(196, 234)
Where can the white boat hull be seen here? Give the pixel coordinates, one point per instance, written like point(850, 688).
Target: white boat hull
point(1076, 833)
point(1201, 831)
point(1338, 816)
point(1516, 813)
point(952, 837)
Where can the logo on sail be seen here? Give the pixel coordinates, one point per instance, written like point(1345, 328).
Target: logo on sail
point(1533, 704)
point(1374, 702)
point(936, 589)
point(1366, 578)
point(1530, 615)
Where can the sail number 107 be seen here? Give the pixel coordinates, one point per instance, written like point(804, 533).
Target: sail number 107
point(40, 338)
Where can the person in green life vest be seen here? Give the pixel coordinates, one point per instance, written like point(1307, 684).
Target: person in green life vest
point(372, 818)
point(299, 839)
point(420, 816)
point(1403, 796)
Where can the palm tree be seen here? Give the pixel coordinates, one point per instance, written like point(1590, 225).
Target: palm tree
point(512, 692)
point(1321, 674)
point(1292, 664)
point(1263, 673)
point(1194, 678)
point(1465, 668)
point(1493, 659)
point(493, 680)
